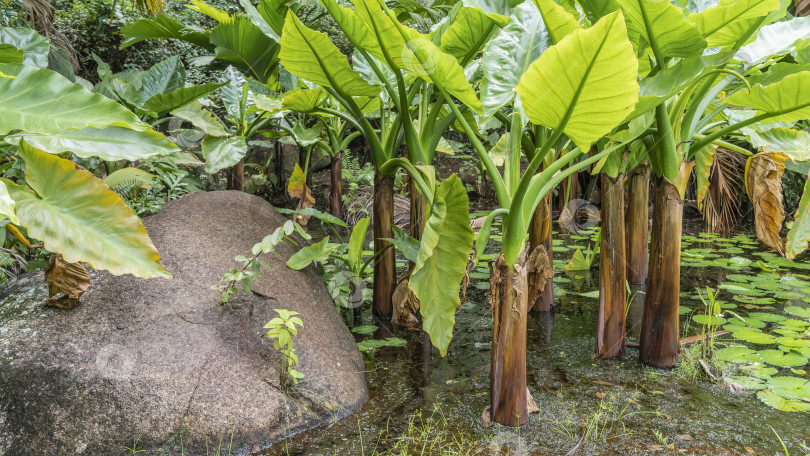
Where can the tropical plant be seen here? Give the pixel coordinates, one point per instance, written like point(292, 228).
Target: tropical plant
point(70, 210)
point(403, 64)
point(284, 330)
point(252, 265)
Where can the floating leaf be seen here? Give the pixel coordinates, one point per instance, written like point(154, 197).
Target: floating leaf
point(782, 359)
point(737, 355)
point(755, 337)
point(783, 404)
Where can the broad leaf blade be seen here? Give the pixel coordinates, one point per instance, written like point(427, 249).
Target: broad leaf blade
point(34, 47)
point(785, 101)
point(221, 153)
point(716, 24)
point(164, 102)
point(799, 235)
point(110, 144)
point(76, 214)
point(311, 55)
point(164, 26)
point(661, 24)
point(509, 54)
point(41, 101)
point(319, 252)
point(588, 96)
point(201, 118)
point(356, 241)
point(443, 255)
point(246, 47)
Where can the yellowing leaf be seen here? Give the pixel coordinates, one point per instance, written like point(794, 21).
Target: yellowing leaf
point(76, 214)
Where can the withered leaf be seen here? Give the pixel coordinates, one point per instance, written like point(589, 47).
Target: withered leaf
point(68, 280)
point(763, 182)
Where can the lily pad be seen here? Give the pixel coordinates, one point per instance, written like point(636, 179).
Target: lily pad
point(737, 355)
point(793, 342)
point(783, 404)
point(767, 317)
point(708, 320)
point(748, 383)
point(782, 359)
point(755, 337)
point(793, 388)
point(798, 311)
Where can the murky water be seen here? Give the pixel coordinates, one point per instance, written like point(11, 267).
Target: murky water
point(623, 407)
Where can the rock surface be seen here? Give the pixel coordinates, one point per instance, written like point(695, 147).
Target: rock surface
point(159, 361)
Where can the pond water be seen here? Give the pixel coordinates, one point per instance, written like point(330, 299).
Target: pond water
point(421, 403)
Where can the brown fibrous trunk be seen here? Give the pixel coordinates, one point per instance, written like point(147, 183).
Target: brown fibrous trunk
point(238, 176)
point(610, 333)
point(659, 327)
point(510, 304)
point(385, 275)
point(541, 289)
point(638, 222)
point(336, 192)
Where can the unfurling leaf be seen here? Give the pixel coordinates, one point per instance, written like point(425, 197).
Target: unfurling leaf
point(763, 182)
point(69, 279)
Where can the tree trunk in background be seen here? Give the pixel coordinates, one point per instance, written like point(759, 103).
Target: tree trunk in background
point(659, 326)
point(610, 330)
point(510, 304)
point(238, 176)
point(385, 273)
point(336, 191)
point(638, 219)
point(540, 232)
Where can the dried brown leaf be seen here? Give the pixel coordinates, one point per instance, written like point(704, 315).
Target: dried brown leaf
point(763, 182)
point(66, 282)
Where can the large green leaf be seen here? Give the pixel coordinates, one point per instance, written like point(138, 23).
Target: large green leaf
point(311, 55)
point(661, 24)
point(785, 101)
point(501, 7)
point(164, 27)
point(111, 143)
point(259, 21)
point(76, 214)
point(587, 96)
point(597, 9)
point(304, 100)
point(34, 47)
point(775, 40)
point(201, 118)
point(559, 22)
point(41, 101)
point(11, 54)
point(509, 54)
point(799, 235)
point(468, 32)
point(409, 50)
point(318, 251)
point(443, 255)
point(246, 47)
point(717, 23)
point(793, 143)
point(164, 102)
point(163, 77)
point(273, 12)
point(221, 153)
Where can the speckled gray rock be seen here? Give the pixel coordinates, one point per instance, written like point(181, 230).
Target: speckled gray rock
point(159, 361)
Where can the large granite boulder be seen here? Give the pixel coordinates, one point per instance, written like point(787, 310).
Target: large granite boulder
point(159, 362)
